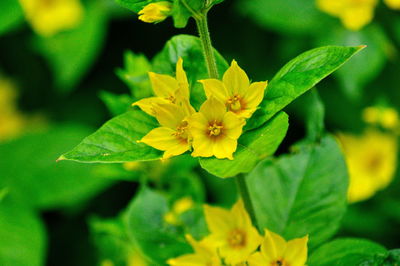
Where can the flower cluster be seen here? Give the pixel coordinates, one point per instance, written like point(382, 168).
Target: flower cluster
point(354, 14)
point(233, 240)
point(215, 128)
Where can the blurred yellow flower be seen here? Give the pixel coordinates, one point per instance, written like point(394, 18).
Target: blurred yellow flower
point(383, 116)
point(137, 259)
point(12, 122)
point(204, 254)
point(168, 89)
point(131, 166)
point(354, 14)
point(275, 251)
point(180, 206)
point(173, 136)
point(371, 160)
point(394, 4)
point(235, 91)
point(155, 12)
point(48, 17)
point(232, 232)
point(214, 130)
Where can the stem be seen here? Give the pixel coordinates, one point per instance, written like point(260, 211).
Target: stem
point(244, 193)
point(202, 26)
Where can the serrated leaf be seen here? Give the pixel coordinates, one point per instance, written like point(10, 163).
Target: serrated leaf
point(302, 193)
point(116, 141)
point(189, 48)
point(298, 76)
point(253, 146)
point(348, 251)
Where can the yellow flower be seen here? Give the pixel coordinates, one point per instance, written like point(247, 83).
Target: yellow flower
point(235, 91)
point(204, 254)
point(155, 12)
point(394, 4)
point(173, 136)
point(354, 14)
point(132, 166)
point(180, 206)
point(168, 90)
point(371, 161)
point(386, 117)
point(231, 232)
point(48, 17)
point(275, 251)
point(136, 259)
point(214, 130)
point(12, 122)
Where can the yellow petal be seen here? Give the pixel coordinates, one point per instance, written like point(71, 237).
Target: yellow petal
point(224, 147)
point(356, 18)
point(235, 79)
point(213, 110)
point(147, 104)
point(254, 94)
point(257, 259)
point(215, 88)
point(273, 246)
point(169, 115)
point(219, 220)
point(232, 125)
point(182, 79)
point(243, 219)
point(187, 260)
point(163, 139)
point(163, 85)
point(296, 251)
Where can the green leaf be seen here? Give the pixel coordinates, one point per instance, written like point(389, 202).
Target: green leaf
point(253, 146)
point(302, 193)
point(31, 174)
point(298, 76)
point(315, 112)
point(304, 16)
point(147, 227)
point(189, 48)
point(135, 5)
point(72, 53)
point(22, 234)
point(181, 14)
point(116, 141)
point(361, 70)
point(348, 251)
point(135, 74)
point(116, 103)
point(11, 15)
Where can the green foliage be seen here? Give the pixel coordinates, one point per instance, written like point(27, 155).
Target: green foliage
point(361, 70)
point(190, 49)
point(117, 104)
point(305, 18)
point(135, 74)
point(348, 251)
point(299, 75)
point(70, 54)
point(181, 14)
point(302, 193)
point(147, 227)
point(10, 16)
point(22, 234)
point(253, 146)
point(31, 174)
point(116, 141)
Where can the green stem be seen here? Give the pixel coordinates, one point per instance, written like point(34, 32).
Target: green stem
point(245, 195)
point(208, 51)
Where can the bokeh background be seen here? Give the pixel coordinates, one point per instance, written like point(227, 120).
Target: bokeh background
point(57, 89)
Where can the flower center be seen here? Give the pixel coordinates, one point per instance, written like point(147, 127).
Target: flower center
point(374, 163)
point(234, 103)
point(214, 129)
point(237, 238)
point(280, 262)
point(181, 131)
point(171, 98)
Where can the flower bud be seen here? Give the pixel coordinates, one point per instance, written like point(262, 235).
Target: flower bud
point(155, 12)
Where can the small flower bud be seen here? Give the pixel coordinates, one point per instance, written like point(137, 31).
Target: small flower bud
point(155, 12)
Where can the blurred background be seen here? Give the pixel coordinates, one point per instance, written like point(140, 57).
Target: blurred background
point(59, 79)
